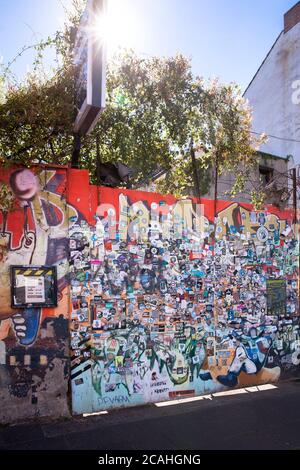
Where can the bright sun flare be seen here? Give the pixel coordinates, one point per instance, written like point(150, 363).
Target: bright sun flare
point(117, 28)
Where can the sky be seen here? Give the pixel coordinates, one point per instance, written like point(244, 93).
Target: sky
point(224, 38)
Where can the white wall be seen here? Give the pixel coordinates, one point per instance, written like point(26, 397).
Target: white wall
point(270, 96)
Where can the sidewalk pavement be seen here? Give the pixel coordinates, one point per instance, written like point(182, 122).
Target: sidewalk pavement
point(259, 418)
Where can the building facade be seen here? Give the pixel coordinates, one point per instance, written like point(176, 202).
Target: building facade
point(274, 92)
point(271, 175)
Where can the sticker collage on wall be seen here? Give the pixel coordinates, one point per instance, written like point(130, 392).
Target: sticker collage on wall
point(161, 309)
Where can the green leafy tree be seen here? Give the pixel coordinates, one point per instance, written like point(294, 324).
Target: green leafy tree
point(7, 203)
point(157, 114)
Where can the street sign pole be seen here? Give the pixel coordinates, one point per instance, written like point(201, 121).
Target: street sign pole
point(89, 56)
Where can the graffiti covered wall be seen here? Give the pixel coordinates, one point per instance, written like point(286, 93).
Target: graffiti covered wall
point(164, 307)
point(160, 306)
point(34, 353)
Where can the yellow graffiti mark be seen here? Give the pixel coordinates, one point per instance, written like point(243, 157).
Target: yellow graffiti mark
point(186, 219)
point(226, 219)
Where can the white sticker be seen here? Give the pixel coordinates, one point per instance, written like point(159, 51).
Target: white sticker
point(262, 234)
point(34, 289)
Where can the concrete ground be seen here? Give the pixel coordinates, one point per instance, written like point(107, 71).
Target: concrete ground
point(253, 419)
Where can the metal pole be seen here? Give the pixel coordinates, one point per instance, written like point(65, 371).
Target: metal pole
point(196, 173)
point(216, 189)
point(76, 151)
point(98, 164)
